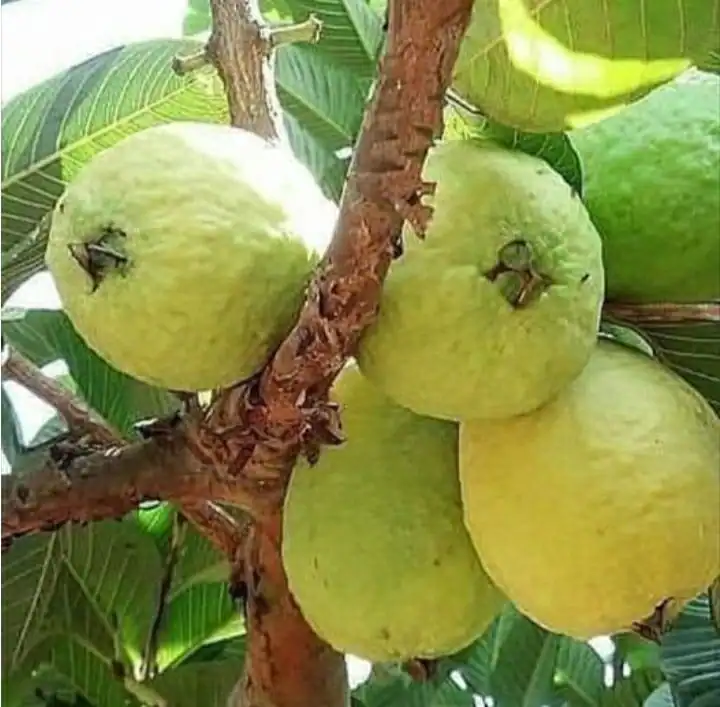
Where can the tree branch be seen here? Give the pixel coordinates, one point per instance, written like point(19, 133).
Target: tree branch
point(209, 519)
point(663, 313)
point(110, 483)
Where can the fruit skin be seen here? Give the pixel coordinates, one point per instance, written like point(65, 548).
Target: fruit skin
point(447, 343)
point(519, 64)
point(222, 233)
point(374, 545)
point(593, 510)
point(652, 187)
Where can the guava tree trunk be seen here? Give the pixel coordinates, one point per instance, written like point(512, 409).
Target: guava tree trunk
point(287, 665)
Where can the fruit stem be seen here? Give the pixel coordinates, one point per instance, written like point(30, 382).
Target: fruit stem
point(183, 65)
point(308, 31)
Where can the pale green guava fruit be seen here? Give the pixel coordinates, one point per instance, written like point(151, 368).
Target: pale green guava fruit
point(652, 186)
point(550, 66)
point(594, 510)
point(181, 254)
point(498, 308)
point(374, 545)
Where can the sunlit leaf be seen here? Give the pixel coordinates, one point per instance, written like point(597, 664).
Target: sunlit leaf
point(51, 130)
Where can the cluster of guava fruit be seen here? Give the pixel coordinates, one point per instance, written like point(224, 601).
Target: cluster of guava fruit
point(499, 447)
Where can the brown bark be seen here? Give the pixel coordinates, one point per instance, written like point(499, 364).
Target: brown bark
point(663, 313)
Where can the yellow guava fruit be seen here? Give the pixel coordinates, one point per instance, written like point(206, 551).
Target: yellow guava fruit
point(550, 66)
point(182, 253)
point(498, 308)
point(374, 545)
point(594, 510)
point(652, 186)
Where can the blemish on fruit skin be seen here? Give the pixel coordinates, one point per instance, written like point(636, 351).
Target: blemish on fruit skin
point(585, 278)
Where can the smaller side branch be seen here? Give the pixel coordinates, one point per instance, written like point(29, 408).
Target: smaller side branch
point(71, 408)
point(663, 313)
point(308, 31)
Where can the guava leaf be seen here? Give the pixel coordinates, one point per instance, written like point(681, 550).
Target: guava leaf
point(192, 684)
point(661, 697)
point(157, 521)
point(75, 666)
point(200, 562)
point(390, 686)
point(328, 169)
point(51, 130)
point(554, 148)
point(325, 97)
point(547, 65)
point(690, 655)
point(44, 335)
point(579, 672)
point(351, 33)
point(631, 690)
point(118, 568)
point(10, 429)
point(202, 613)
point(637, 652)
point(29, 573)
point(714, 596)
point(524, 670)
point(692, 351)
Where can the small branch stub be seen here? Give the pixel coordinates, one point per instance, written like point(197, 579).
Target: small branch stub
point(308, 31)
point(183, 65)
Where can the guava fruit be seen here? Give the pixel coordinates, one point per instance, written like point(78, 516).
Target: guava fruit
point(498, 308)
point(550, 66)
point(594, 510)
point(652, 186)
point(182, 253)
point(374, 545)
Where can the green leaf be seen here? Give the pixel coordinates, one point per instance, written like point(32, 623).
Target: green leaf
point(549, 65)
point(390, 686)
point(714, 597)
point(325, 97)
point(200, 562)
point(202, 613)
point(193, 684)
point(637, 652)
point(328, 170)
point(50, 131)
point(661, 697)
point(692, 351)
point(351, 33)
point(45, 335)
point(525, 666)
point(580, 670)
point(632, 690)
point(157, 522)
point(118, 568)
point(554, 148)
point(690, 655)
point(12, 445)
point(29, 573)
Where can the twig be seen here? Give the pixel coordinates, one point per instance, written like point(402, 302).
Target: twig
point(308, 31)
point(663, 313)
point(72, 409)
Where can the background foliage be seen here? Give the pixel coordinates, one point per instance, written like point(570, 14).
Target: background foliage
point(76, 614)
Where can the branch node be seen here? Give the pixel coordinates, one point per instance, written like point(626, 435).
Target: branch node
point(184, 65)
point(283, 33)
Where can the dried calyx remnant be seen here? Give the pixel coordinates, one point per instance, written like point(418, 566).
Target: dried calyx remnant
point(101, 255)
point(517, 274)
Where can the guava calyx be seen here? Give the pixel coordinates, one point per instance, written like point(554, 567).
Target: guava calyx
point(101, 255)
point(517, 275)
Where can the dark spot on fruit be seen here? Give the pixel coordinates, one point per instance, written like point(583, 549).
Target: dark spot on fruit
point(585, 278)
